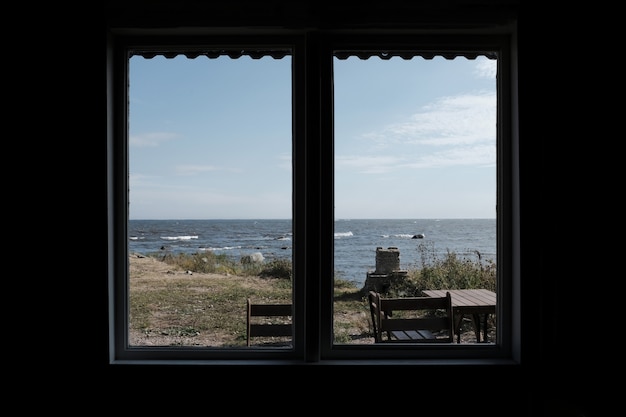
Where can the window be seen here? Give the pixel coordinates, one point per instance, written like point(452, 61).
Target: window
point(415, 171)
point(210, 192)
point(313, 61)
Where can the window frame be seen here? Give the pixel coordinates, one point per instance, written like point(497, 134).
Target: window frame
point(121, 49)
point(313, 195)
point(508, 324)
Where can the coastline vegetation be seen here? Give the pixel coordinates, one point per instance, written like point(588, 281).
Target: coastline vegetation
point(183, 306)
point(209, 262)
point(451, 272)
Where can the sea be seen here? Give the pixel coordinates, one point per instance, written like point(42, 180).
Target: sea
point(355, 240)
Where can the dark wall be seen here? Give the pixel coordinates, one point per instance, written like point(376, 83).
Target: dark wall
point(558, 373)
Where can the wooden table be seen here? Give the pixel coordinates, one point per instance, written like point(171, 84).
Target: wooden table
point(471, 303)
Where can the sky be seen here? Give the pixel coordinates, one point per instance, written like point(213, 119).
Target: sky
point(212, 138)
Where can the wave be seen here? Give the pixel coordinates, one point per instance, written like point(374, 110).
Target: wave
point(403, 235)
point(343, 234)
point(179, 237)
point(211, 249)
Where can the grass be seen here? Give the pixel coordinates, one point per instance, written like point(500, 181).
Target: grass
point(184, 309)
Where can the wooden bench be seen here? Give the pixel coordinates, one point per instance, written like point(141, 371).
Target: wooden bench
point(268, 320)
point(412, 319)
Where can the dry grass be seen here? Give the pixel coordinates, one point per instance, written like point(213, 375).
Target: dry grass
point(173, 307)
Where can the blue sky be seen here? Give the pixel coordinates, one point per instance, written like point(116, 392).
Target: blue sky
point(211, 138)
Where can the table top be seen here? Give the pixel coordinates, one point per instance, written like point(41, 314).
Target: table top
point(473, 302)
point(467, 298)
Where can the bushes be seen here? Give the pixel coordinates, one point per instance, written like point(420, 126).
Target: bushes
point(450, 272)
point(209, 262)
point(204, 262)
point(277, 268)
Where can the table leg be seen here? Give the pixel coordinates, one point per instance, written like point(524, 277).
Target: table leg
point(458, 319)
point(485, 337)
point(476, 320)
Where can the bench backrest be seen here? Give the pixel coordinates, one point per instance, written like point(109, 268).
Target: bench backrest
point(412, 319)
point(268, 320)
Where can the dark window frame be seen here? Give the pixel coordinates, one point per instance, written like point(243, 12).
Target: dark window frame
point(508, 326)
point(313, 193)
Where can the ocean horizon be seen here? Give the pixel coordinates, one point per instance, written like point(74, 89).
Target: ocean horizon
point(355, 240)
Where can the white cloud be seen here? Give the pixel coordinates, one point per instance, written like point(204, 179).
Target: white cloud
point(481, 155)
point(285, 161)
point(368, 164)
point(452, 131)
point(153, 139)
point(449, 121)
point(194, 169)
point(486, 68)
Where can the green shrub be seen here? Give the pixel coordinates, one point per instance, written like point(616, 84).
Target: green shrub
point(450, 272)
point(277, 268)
point(209, 262)
point(202, 262)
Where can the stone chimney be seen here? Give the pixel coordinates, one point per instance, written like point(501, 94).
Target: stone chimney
point(387, 260)
point(387, 270)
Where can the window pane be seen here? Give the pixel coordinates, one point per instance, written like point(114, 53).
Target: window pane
point(415, 183)
point(210, 197)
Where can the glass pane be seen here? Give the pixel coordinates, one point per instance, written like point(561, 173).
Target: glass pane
point(415, 184)
point(210, 212)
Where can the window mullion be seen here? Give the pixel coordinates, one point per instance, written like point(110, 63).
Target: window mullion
point(314, 199)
